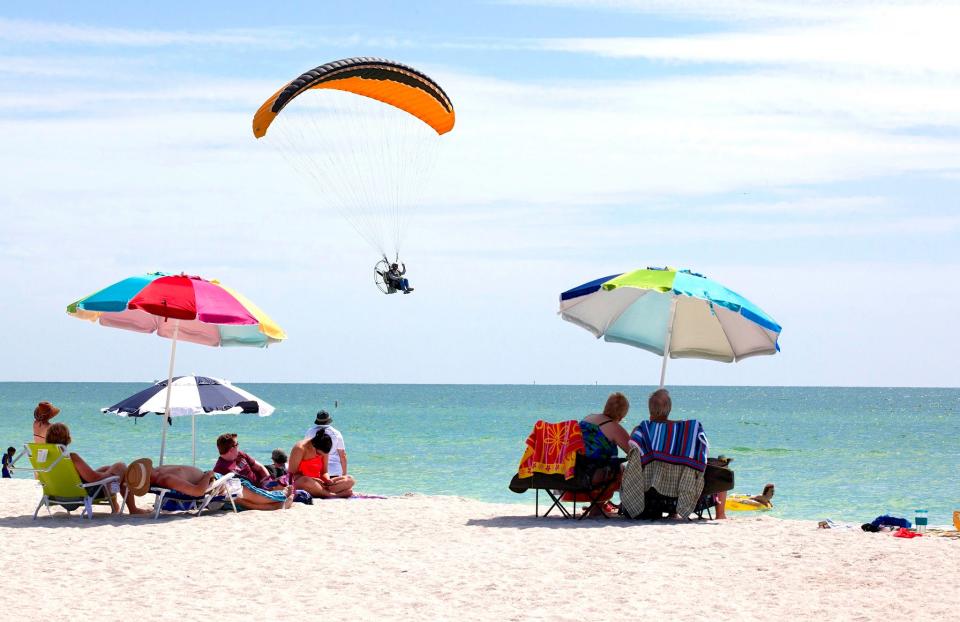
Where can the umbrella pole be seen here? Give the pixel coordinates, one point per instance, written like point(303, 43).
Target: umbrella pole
point(166, 407)
point(193, 426)
point(666, 341)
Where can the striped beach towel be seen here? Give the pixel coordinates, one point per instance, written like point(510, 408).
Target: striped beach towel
point(674, 442)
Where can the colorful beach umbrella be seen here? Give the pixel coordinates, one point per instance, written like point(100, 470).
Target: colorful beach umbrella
point(179, 307)
point(672, 313)
point(191, 396)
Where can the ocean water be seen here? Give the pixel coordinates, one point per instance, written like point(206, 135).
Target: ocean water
point(842, 453)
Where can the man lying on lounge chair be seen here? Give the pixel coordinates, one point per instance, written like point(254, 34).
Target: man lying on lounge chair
point(191, 481)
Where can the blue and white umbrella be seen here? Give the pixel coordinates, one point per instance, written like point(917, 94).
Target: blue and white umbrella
point(191, 396)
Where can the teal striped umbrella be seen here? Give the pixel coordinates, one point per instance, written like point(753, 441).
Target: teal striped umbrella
point(672, 313)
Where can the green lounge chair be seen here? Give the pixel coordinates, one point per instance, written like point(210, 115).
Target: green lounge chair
point(62, 484)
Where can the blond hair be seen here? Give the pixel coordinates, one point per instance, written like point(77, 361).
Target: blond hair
point(616, 407)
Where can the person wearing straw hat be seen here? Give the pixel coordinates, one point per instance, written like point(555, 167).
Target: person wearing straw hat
point(337, 463)
point(42, 414)
point(142, 474)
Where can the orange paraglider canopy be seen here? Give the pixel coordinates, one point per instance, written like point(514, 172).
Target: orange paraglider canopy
point(391, 83)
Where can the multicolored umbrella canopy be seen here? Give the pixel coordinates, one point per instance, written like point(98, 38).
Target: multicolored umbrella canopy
point(672, 313)
point(210, 313)
point(202, 311)
point(190, 396)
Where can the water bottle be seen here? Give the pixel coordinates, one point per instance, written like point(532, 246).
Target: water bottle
point(920, 519)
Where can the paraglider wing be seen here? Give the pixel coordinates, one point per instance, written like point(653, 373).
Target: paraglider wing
point(392, 83)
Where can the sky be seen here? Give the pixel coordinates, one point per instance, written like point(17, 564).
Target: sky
point(805, 154)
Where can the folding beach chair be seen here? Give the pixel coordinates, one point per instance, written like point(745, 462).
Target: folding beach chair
point(62, 484)
point(556, 485)
point(218, 492)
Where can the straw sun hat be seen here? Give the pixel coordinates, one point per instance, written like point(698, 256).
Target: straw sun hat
point(138, 476)
point(45, 411)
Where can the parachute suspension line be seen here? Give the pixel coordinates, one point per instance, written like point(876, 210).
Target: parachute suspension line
point(368, 160)
point(294, 138)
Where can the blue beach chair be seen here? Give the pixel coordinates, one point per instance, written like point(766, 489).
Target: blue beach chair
point(220, 491)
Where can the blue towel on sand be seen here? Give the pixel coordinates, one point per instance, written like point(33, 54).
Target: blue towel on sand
point(891, 520)
point(273, 495)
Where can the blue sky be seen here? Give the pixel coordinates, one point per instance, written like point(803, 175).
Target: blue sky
point(805, 154)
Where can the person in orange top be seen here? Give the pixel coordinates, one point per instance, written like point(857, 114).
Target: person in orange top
point(42, 414)
point(308, 466)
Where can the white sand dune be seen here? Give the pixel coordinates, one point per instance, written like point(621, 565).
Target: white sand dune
point(437, 558)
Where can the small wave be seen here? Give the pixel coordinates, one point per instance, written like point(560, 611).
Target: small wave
point(769, 451)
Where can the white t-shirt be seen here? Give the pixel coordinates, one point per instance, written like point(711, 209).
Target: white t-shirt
point(333, 464)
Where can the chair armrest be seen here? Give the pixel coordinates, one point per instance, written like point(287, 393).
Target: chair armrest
point(221, 481)
point(101, 482)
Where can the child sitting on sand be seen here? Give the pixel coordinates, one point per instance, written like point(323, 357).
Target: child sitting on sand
point(279, 467)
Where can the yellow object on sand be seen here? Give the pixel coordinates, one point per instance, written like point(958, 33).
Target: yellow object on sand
point(956, 519)
point(743, 503)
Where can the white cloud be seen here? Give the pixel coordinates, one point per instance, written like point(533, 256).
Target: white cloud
point(44, 32)
point(30, 31)
point(901, 40)
point(738, 11)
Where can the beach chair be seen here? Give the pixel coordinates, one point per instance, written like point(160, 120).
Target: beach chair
point(556, 485)
point(554, 461)
point(62, 484)
point(682, 447)
point(219, 491)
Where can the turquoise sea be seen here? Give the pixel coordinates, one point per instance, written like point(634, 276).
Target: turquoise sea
point(842, 453)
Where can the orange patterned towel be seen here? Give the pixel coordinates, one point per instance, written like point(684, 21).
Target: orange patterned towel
point(552, 448)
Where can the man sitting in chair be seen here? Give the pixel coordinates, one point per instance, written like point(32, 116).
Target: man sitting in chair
point(394, 278)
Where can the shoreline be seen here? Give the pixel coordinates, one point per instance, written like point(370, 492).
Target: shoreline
point(510, 384)
point(431, 557)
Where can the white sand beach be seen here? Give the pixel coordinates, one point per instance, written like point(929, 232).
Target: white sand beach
point(431, 558)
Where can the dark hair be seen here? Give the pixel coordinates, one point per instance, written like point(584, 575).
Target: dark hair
point(660, 405)
point(226, 442)
point(769, 487)
point(321, 441)
point(11, 450)
point(278, 457)
point(58, 434)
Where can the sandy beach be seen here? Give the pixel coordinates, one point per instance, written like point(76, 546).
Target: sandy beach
point(417, 557)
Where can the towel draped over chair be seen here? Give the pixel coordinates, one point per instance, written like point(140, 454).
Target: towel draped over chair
point(669, 457)
point(552, 448)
